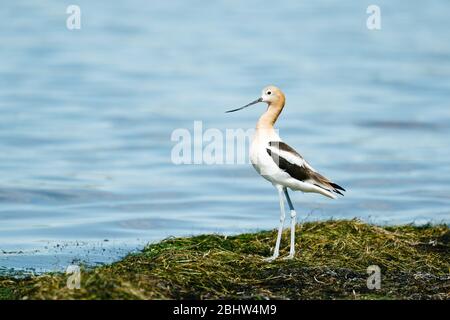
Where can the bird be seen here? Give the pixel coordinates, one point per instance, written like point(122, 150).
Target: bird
point(281, 165)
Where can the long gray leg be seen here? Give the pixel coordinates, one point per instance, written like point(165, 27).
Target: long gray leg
point(276, 251)
point(293, 224)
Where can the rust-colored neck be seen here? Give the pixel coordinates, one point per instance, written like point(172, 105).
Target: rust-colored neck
point(268, 119)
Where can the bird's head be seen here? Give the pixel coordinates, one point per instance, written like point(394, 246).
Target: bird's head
point(271, 95)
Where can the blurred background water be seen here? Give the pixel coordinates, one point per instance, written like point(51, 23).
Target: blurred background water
point(87, 116)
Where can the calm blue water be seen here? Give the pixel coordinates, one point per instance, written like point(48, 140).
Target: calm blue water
point(87, 116)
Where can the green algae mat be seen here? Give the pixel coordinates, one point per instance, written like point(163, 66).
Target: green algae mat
point(334, 260)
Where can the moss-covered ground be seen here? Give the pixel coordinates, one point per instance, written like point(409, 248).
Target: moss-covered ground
point(331, 263)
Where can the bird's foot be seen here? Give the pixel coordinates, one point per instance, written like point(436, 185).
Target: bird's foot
point(271, 259)
point(289, 257)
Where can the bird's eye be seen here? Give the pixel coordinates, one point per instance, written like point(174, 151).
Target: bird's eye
point(269, 93)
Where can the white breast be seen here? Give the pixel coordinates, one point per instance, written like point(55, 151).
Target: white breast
point(261, 160)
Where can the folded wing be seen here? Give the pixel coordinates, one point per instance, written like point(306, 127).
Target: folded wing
point(293, 164)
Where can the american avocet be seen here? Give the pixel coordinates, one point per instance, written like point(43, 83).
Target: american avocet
point(282, 165)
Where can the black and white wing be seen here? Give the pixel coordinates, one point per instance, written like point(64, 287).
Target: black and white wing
point(293, 164)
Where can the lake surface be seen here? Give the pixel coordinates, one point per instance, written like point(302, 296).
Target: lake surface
point(87, 115)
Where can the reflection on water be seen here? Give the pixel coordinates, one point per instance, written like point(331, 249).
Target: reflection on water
point(85, 171)
point(404, 125)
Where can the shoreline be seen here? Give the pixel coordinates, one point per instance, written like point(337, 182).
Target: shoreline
point(332, 262)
